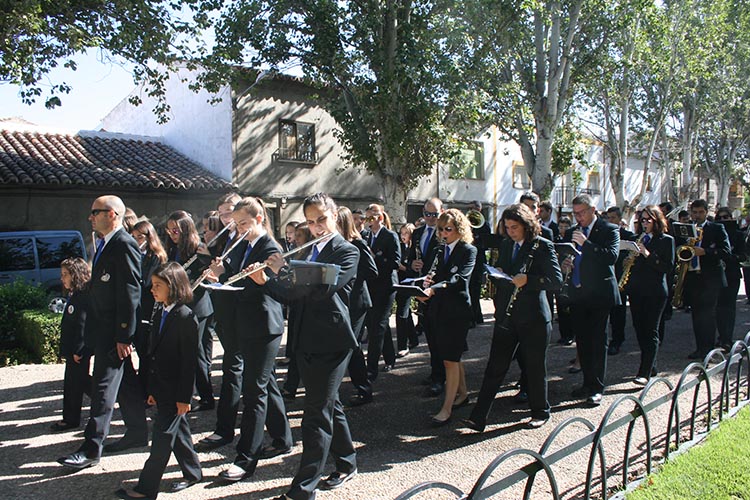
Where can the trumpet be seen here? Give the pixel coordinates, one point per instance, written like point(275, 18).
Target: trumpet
point(192, 259)
point(476, 218)
point(248, 272)
point(194, 286)
point(685, 254)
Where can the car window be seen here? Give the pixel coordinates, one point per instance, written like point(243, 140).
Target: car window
point(53, 250)
point(16, 254)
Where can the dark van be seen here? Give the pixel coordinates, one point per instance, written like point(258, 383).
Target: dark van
point(35, 256)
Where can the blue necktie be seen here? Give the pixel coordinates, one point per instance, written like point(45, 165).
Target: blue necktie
point(247, 254)
point(516, 248)
point(163, 320)
point(694, 262)
point(315, 253)
point(427, 240)
point(446, 254)
point(646, 239)
point(99, 247)
point(576, 279)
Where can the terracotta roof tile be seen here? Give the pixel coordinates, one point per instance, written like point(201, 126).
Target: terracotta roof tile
point(36, 158)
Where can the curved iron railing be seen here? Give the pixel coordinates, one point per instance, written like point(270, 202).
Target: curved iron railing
point(693, 376)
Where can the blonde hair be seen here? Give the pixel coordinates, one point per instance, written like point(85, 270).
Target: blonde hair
point(460, 221)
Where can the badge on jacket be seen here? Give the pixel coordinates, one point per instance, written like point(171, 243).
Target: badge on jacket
point(454, 269)
point(71, 309)
point(105, 277)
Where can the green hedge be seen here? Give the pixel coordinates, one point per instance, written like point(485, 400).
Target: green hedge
point(14, 298)
point(39, 334)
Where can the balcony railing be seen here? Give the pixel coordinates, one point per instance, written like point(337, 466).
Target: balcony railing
point(293, 155)
point(563, 196)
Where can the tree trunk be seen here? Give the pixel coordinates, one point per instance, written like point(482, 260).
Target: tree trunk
point(394, 199)
point(541, 176)
point(688, 131)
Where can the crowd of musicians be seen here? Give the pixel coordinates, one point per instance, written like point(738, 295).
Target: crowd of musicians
point(148, 304)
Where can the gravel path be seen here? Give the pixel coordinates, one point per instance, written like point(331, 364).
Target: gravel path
point(396, 447)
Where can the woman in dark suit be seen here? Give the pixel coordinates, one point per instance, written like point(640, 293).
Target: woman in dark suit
point(527, 324)
point(173, 349)
point(324, 342)
point(647, 286)
point(75, 276)
point(387, 251)
point(359, 304)
point(406, 332)
point(182, 244)
point(449, 314)
point(260, 322)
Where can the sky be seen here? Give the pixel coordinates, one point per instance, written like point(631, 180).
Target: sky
point(97, 88)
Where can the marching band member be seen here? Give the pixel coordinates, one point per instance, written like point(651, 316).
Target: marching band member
point(449, 313)
point(325, 341)
point(182, 244)
point(726, 308)
point(260, 322)
point(619, 312)
point(523, 320)
point(646, 286)
point(593, 292)
point(406, 331)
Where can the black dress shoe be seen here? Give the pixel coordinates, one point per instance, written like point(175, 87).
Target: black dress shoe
point(388, 368)
point(129, 494)
point(613, 349)
point(595, 399)
point(436, 389)
point(471, 424)
point(359, 400)
point(461, 404)
point(125, 443)
point(336, 480)
point(271, 451)
point(181, 485)
point(214, 441)
point(237, 472)
point(62, 426)
point(434, 422)
point(77, 460)
point(413, 345)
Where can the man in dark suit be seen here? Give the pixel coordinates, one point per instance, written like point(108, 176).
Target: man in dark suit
point(593, 293)
point(545, 217)
point(115, 294)
point(726, 310)
point(705, 277)
point(424, 241)
point(618, 313)
point(479, 275)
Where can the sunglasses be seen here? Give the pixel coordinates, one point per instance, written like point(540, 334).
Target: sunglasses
point(97, 211)
point(646, 220)
point(446, 229)
point(430, 214)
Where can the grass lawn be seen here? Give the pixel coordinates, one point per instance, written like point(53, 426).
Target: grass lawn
point(718, 469)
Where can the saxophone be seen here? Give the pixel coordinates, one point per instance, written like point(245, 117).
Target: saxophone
point(685, 254)
point(627, 265)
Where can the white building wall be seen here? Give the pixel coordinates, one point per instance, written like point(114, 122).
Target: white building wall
point(199, 130)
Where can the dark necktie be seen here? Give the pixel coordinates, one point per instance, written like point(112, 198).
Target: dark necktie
point(446, 254)
point(646, 239)
point(427, 240)
point(99, 247)
point(247, 254)
point(164, 315)
point(315, 253)
point(576, 279)
point(516, 248)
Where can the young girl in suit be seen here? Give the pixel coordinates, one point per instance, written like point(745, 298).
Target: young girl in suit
point(173, 356)
point(75, 276)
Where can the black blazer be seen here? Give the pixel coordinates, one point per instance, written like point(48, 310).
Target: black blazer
point(321, 322)
point(738, 255)
point(543, 275)
point(416, 237)
point(451, 281)
point(547, 233)
point(72, 325)
point(599, 254)
point(173, 356)
point(360, 299)
point(387, 252)
point(114, 293)
point(257, 314)
point(715, 242)
point(648, 276)
point(555, 230)
point(225, 303)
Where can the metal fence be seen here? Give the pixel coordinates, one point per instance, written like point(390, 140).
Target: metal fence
point(693, 376)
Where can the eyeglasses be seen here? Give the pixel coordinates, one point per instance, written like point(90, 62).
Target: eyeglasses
point(446, 229)
point(97, 211)
point(430, 214)
point(581, 212)
point(175, 230)
point(646, 220)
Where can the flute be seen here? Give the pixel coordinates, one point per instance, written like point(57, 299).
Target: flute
point(246, 273)
point(206, 271)
point(192, 259)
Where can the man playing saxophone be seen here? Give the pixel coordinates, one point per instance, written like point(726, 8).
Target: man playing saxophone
point(705, 277)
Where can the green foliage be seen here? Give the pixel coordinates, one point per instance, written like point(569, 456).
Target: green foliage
point(15, 297)
point(39, 334)
point(568, 149)
point(15, 356)
point(716, 469)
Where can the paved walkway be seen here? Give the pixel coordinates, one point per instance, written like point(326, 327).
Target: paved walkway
point(396, 448)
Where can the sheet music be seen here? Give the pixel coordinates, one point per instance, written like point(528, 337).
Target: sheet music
point(499, 275)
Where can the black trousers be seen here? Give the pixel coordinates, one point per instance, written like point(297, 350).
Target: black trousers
point(357, 363)
point(324, 425)
point(617, 318)
point(703, 295)
point(113, 380)
point(726, 309)
point(203, 386)
point(171, 434)
point(380, 337)
point(406, 332)
point(646, 313)
point(746, 279)
point(528, 342)
point(590, 326)
point(76, 382)
point(231, 380)
point(475, 292)
point(262, 401)
point(564, 322)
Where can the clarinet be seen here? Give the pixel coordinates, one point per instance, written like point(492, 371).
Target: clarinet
point(438, 258)
point(513, 296)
